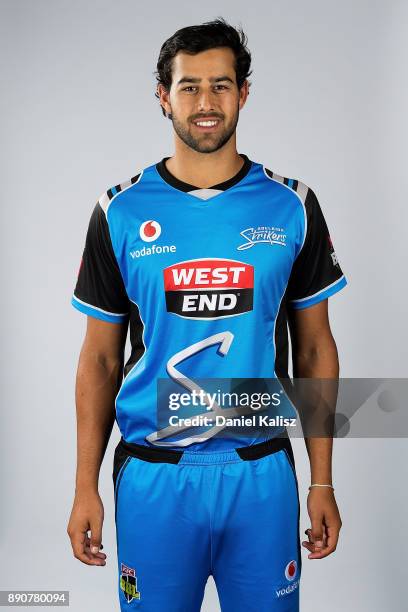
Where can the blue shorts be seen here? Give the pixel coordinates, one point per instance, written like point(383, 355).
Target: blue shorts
point(182, 516)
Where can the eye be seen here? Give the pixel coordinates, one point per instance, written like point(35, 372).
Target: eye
point(189, 88)
point(220, 87)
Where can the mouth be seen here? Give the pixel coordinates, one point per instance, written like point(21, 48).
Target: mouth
point(207, 124)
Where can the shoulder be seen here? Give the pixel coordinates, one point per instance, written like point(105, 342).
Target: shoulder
point(116, 192)
point(301, 191)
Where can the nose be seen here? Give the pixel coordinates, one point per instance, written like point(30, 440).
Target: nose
point(205, 101)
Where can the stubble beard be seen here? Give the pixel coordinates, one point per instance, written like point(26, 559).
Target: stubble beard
point(207, 143)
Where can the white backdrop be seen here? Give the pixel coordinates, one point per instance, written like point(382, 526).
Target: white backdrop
point(78, 114)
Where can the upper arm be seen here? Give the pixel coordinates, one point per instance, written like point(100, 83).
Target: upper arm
point(309, 327)
point(314, 351)
point(107, 340)
point(316, 275)
point(100, 292)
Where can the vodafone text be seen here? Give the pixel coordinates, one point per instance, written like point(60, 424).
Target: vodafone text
point(286, 590)
point(153, 250)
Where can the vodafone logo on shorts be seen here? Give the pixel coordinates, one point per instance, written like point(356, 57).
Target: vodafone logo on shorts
point(290, 570)
point(209, 288)
point(290, 574)
point(150, 230)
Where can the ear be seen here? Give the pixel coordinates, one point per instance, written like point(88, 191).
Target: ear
point(243, 94)
point(164, 97)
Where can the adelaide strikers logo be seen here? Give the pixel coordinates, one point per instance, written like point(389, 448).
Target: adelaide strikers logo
point(290, 570)
point(128, 583)
point(262, 233)
point(150, 230)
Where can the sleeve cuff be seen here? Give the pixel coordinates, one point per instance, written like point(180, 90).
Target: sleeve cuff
point(321, 295)
point(98, 313)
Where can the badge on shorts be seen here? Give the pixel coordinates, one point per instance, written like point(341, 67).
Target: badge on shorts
point(128, 583)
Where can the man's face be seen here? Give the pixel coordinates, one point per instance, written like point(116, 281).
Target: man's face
point(204, 100)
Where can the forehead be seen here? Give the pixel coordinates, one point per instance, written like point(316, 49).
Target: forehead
point(204, 65)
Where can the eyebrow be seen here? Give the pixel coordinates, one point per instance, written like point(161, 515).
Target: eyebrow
point(189, 79)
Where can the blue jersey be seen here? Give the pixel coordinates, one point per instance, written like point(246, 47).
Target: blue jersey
point(205, 279)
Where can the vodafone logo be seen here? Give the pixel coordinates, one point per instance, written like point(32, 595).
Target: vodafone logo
point(290, 570)
point(290, 574)
point(150, 230)
point(209, 288)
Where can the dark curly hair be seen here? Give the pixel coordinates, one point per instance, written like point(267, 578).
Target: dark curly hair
point(194, 39)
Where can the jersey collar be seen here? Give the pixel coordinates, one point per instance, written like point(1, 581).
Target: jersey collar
point(186, 187)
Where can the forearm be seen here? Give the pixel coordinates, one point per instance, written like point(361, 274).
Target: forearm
point(320, 363)
point(97, 384)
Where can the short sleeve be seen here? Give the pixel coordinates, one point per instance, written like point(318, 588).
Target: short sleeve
point(100, 290)
point(316, 273)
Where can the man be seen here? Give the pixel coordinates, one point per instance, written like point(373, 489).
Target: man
point(207, 256)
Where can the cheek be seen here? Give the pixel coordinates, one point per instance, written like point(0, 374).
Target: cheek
point(230, 104)
point(181, 108)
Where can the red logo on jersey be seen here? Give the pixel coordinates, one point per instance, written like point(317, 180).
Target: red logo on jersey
point(209, 288)
point(150, 230)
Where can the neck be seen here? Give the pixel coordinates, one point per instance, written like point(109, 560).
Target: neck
point(204, 169)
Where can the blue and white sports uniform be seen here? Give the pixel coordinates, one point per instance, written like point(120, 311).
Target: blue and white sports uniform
point(205, 279)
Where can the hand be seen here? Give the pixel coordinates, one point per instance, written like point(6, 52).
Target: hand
point(87, 514)
point(326, 523)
